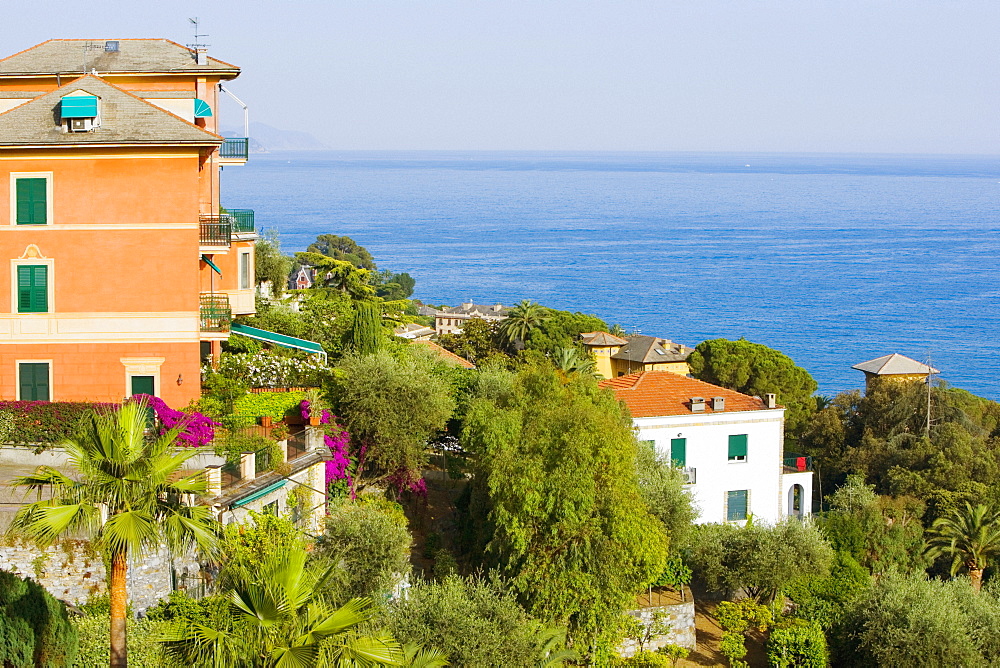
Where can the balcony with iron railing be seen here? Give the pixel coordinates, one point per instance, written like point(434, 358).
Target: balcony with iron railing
point(216, 315)
point(242, 220)
point(215, 230)
point(796, 463)
point(234, 150)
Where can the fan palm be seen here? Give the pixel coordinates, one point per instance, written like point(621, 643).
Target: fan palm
point(551, 646)
point(520, 322)
point(970, 536)
point(571, 360)
point(129, 498)
point(280, 619)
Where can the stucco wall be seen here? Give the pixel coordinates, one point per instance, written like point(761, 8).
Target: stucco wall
point(707, 437)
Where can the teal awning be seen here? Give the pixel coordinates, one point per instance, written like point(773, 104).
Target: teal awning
point(79, 106)
point(201, 108)
point(278, 339)
point(256, 495)
point(204, 258)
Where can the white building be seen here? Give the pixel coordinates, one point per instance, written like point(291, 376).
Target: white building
point(730, 445)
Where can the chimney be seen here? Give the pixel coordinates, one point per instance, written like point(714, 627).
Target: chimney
point(718, 403)
point(498, 307)
point(213, 480)
point(770, 400)
point(248, 466)
point(697, 404)
point(467, 305)
point(201, 56)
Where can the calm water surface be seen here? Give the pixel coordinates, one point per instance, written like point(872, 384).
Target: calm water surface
point(831, 259)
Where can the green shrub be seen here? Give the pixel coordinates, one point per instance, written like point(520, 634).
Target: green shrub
point(44, 421)
point(370, 539)
point(799, 643)
point(272, 404)
point(675, 574)
point(34, 627)
point(645, 660)
point(475, 622)
point(143, 649)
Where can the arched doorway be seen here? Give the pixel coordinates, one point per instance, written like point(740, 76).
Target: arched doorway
point(796, 501)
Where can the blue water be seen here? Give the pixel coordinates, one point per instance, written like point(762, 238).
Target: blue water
point(831, 259)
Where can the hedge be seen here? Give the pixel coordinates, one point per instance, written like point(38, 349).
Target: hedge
point(44, 421)
point(274, 404)
point(34, 627)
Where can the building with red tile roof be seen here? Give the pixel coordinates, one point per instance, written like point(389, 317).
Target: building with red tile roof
point(446, 354)
point(729, 446)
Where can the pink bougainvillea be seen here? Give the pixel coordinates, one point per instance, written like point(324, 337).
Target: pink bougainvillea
point(337, 439)
point(196, 429)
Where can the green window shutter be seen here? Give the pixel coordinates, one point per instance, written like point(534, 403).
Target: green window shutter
point(31, 201)
point(32, 289)
point(678, 451)
point(33, 378)
point(142, 385)
point(736, 505)
point(737, 447)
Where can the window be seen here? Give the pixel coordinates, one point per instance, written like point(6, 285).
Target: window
point(33, 381)
point(31, 198)
point(271, 508)
point(737, 505)
point(245, 271)
point(143, 385)
point(738, 448)
point(678, 452)
point(32, 288)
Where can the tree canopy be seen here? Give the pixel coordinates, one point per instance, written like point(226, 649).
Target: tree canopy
point(755, 369)
point(342, 248)
point(556, 497)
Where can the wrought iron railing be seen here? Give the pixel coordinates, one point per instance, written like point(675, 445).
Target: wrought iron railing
point(242, 220)
point(216, 315)
point(237, 148)
point(798, 462)
point(215, 230)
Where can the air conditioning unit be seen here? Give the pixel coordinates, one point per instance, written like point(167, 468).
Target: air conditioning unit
point(689, 475)
point(80, 124)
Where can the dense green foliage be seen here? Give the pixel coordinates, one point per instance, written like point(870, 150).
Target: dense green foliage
point(555, 502)
point(757, 558)
point(475, 622)
point(370, 542)
point(34, 627)
point(907, 620)
point(879, 532)
point(882, 436)
point(662, 488)
point(270, 264)
point(755, 369)
point(143, 649)
point(479, 342)
point(823, 599)
point(392, 405)
point(275, 405)
point(797, 644)
point(342, 248)
point(366, 331)
point(562, 329)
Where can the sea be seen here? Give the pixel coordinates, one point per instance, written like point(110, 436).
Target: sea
point(831, 259)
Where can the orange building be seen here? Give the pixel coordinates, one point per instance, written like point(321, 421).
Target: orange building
point(123, 268)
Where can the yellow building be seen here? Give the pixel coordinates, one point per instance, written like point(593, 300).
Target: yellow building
point(616, 356)
point(895, 367)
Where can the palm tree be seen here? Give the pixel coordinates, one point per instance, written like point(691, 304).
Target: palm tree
point(571, 360)
point(970, 536)
point(521, 320)
point(551, 647)
point(280, 618)
point(129, 498)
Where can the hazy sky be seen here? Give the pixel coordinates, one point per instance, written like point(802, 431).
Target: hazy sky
point(738, 75)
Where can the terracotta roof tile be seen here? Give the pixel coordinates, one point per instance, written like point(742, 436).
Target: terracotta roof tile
point(659, 393)
point(446, 354)
point(601, 339)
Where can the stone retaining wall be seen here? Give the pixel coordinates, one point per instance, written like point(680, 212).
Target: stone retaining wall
point(73, 572)
point(680, 616)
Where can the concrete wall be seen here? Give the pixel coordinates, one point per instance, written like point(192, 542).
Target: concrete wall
point(707, 437)
point(73, 572)
point(682, 628)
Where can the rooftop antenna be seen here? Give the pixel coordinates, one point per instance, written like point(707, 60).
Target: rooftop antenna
point(89, 46)
point(198, 46)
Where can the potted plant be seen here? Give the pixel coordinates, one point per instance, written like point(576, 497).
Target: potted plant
point(265, 420)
